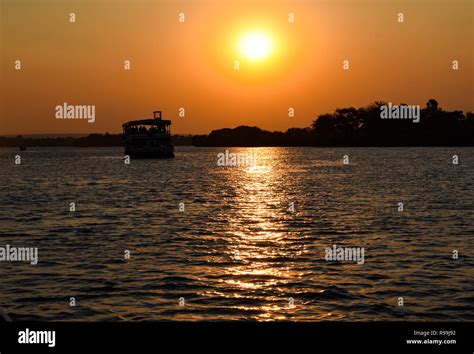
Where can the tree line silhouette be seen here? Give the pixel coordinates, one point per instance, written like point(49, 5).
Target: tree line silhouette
point(344, 127)
point(358, 127)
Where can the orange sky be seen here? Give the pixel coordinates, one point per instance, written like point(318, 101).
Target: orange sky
point(190, 64)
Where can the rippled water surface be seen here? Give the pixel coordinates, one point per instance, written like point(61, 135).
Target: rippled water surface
point(236, 252)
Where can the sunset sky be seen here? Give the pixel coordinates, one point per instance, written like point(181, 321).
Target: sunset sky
point(190, 64)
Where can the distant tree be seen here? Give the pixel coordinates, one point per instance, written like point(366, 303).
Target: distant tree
point(432, 105)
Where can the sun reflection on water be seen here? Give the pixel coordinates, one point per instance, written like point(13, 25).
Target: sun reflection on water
point(259, 237)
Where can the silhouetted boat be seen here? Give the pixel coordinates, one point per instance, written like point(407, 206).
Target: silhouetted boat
point(148, 138)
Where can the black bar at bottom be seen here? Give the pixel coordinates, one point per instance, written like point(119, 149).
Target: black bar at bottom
point(240, 337)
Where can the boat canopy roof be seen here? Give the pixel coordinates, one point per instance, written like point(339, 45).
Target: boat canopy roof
point(156, 122)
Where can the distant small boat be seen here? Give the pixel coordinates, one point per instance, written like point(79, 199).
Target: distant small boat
point(148, 138)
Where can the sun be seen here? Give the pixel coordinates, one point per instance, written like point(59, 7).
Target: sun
point(256, 46)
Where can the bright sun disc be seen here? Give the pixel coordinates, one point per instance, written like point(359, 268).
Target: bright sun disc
point(255, 46)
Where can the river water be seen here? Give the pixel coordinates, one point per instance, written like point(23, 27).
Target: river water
point(187, 239)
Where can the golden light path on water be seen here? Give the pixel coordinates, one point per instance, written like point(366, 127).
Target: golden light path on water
point(258, 237)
